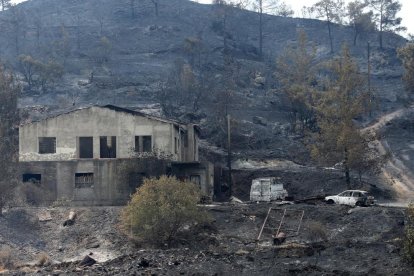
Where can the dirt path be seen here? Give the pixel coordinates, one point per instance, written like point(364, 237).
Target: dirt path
point(394, 172)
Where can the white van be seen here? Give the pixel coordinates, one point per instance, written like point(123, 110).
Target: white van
point(267, 189)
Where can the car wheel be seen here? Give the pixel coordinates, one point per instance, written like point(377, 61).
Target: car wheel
point(330, 201)
point(359, 203)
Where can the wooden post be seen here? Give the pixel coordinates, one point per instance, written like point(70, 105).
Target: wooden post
point(369, 78)
point(229, 154)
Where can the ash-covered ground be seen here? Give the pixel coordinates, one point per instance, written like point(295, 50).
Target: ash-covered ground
point(333, 240)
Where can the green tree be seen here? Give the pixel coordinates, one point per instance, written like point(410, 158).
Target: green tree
point(9, 143)
point(385, 14)
point(406, 54)
point(160, 208)
point(339, 139)
point(332, 11)
point(296, 74)
point(361, 21)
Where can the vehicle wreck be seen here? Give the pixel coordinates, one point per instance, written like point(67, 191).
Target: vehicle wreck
point(352, 198)
point(267, 189)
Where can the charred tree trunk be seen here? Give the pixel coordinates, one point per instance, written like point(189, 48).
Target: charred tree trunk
point(330, 35)
point(261, 28)
point(346, 168)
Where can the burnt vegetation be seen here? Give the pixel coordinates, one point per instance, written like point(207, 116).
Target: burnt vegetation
point(299, 90)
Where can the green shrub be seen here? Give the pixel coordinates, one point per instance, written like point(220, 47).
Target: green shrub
point(408, 239)
point(160, 209)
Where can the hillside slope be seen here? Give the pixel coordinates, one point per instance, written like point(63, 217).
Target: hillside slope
point(113, 54)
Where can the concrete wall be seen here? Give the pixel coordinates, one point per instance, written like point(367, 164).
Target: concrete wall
point(111, 184)
point(95, 122)
point(205, 170)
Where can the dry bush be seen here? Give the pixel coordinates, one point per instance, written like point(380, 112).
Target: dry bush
point(161, 209)
point(7, 259)
point(408, 238)
point(317, 232)
point(42, 259)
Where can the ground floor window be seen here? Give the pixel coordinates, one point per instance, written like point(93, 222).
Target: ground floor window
point(83, 180)
point(196, 179)
point(32, 177)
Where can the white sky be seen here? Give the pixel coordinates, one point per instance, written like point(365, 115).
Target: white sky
point(407, 6)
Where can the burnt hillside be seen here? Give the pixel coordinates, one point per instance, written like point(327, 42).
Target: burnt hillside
point(112, 53)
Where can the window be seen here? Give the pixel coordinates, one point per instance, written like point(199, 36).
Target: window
point(346, 194)
point(85, 147)
point(196, 179)
point(107, 146)
point(143, 143)
point(47, 145)
point(83, 180)
point(146, 144)
point(33, 178)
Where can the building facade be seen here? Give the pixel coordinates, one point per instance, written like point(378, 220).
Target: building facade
point(98, 155)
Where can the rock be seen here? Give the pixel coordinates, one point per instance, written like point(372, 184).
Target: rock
point(44, 216)
point(392, 248)
point(259, 81)
point(92, 243)
point(71, 220)
point(259, 121)
point(234, 199)
point(144, 263)
point(241, 252)
point(87, 261)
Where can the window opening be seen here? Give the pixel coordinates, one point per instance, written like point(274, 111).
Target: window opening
point(143, 143)
point(47, 145)
point(85, 147)
point(107, 146)
point(196, 179)
point(32, 177)
point(83, 180)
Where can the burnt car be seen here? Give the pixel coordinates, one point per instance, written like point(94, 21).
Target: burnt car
point(352, 198)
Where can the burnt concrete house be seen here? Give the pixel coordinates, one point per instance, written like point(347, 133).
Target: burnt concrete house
point(84, 155)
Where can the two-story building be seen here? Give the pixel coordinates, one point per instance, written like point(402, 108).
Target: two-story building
point(83, 155)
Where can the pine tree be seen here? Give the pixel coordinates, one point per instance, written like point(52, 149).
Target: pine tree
point(385, 12)
point(296, 74)
point(406, 54)
point(332, 11)
point(339, 139)
point(8, 135)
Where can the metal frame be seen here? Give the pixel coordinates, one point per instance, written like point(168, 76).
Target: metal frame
point(282, 222)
